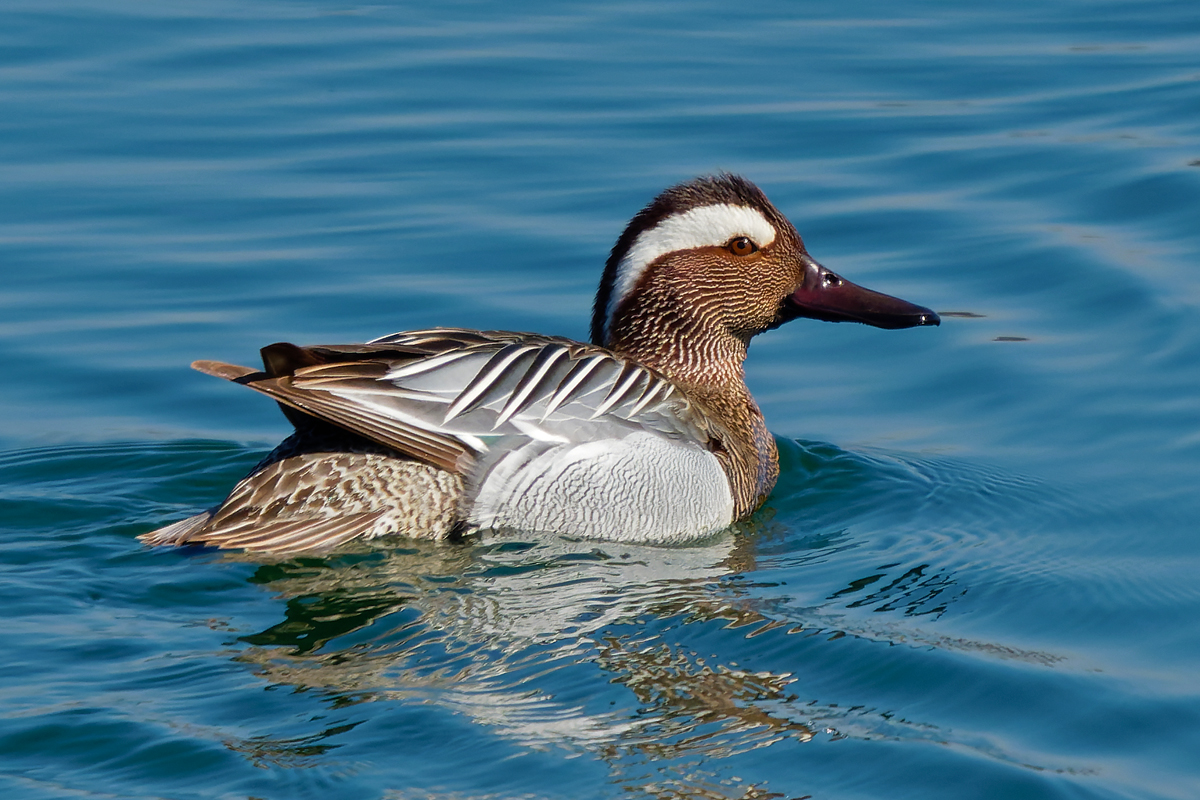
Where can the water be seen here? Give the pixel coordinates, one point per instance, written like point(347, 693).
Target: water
point(975, 579)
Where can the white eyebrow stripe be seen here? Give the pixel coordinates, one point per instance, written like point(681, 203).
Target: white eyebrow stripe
point(706, 226)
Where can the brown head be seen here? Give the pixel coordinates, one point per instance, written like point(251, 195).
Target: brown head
point(709, 264)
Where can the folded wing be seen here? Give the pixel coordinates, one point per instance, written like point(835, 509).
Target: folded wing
point(446, 396)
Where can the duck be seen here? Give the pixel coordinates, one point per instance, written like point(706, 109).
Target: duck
point(646, 434)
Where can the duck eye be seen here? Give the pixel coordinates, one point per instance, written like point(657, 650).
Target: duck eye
point(742, 246)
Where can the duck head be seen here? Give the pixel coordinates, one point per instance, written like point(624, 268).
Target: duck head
point(711, 263)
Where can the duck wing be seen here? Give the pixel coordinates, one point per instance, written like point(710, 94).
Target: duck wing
point(446, 396)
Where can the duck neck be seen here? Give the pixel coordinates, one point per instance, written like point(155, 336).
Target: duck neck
point(707, 365)
point(695, 355)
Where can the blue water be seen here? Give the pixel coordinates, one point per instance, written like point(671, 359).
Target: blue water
point(976, 578)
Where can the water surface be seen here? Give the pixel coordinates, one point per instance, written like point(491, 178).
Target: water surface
point(976, 577)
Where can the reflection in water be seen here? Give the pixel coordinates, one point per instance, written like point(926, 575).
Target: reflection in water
point(590, 646)
point(699, 709)
point(500, 630)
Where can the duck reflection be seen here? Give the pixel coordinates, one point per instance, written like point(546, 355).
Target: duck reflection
point(619, 652)
point(506, 632)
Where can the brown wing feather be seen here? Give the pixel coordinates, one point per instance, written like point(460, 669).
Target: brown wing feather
point(445, 452)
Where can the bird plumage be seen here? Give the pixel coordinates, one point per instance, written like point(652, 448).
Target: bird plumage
point(646, 434)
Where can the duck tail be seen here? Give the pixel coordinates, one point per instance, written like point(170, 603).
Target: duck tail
point(177, 532)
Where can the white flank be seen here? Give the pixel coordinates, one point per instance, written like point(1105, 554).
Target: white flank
point(707, 226)
point(641, 487)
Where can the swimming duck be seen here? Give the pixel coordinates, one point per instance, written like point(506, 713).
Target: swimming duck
point(648, 434)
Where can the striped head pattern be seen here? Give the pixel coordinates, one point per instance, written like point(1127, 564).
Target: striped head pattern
point(714, 234)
